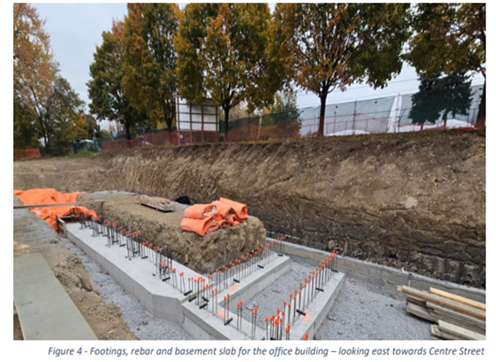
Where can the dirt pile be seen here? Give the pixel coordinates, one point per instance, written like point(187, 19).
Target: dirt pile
point(205, 254)
point(415, 201)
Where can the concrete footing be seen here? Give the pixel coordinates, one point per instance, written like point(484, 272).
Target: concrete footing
point(138, 277)
point(383, 276)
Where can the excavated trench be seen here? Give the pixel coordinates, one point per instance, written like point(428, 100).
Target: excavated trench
point(412, 201)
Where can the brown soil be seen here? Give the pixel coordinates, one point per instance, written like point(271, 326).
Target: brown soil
point(410, 200)
point(205, 254)
point(33, 235)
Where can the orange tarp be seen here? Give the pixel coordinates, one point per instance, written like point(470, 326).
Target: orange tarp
point(240, 209)
point(205, 218)
point(199, 226)
point(50, 196)
point(223, 211)
point(199, 211)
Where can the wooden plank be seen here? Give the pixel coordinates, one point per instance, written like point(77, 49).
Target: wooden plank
point(436, 332)
point(459, 307)
point(443, 310)
point(415, 300)
point(45, 310)
point(61, 226)
point(459, 319)
point(460, 332)
point(420, 312)
point(60, 204)
point(458, 298)
point(158, 203)
point(457, 322)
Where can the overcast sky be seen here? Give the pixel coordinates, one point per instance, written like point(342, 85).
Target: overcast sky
point(76, 29)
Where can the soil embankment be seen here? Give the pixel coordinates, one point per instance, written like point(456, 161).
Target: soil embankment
point(414, 201)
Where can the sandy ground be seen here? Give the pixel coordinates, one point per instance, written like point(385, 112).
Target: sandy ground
point(33, 235)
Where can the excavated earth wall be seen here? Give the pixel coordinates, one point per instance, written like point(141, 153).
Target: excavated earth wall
point(413, 201)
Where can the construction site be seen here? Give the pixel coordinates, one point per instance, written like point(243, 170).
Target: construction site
point(375, 237)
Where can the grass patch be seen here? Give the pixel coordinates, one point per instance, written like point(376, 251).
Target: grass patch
point(82, 154)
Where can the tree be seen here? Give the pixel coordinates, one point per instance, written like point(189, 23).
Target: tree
point(40, 93)
point(34, 66)
point(284, 101)
point(450, 38)
point(440, 96)
point(108, 100)
point(223, 54)
point(328, 46)
point(25, 130)
point(63, 117)
point(149, 69)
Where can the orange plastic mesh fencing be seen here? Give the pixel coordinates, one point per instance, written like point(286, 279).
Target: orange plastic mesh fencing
point(50, 196)
point(31, 153)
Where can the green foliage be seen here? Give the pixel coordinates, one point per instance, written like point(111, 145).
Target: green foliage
point(25, 127)
point(223, 54)
point(63, 117)
point(326, 46)
point(284, 101)
point(149, 79)
point(81, 154)
point(41, 95)
point(450, 38)
point(439, 97)
point(105, 86)
point(188, 42)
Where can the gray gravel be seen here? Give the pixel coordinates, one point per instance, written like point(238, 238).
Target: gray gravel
point(140, 322)
point(360, 312)
point(277, 293)
point(363, 312)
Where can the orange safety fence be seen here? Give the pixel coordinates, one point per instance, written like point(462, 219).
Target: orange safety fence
point(50, 196)
point(32, 153)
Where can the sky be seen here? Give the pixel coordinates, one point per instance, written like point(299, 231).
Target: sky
point(75, 31)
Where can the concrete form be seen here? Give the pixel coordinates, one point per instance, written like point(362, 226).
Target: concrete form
point(45, 310)
point(138, 277)
point(384, 276)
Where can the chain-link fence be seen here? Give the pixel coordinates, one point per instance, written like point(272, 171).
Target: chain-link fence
point(434, 110)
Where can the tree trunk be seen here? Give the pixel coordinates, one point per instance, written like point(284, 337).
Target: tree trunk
point(323, 98)
point(226, 123)
point(167, 118)
point(128, 134)
point(481, 116)
point(42, 129)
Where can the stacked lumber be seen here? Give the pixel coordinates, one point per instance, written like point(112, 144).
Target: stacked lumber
point(455, 317)
point(157, 203)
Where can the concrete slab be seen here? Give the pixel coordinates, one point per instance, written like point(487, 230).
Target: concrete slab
point(249, 286)
point(165, 301)
point(384, 276)
point(318, 309)
point(136, 276)
point(45, 310)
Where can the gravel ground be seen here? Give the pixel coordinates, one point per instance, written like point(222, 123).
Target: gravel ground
point(139, 321)
point(360, 312)
point(363, 312)
point(276, 294)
